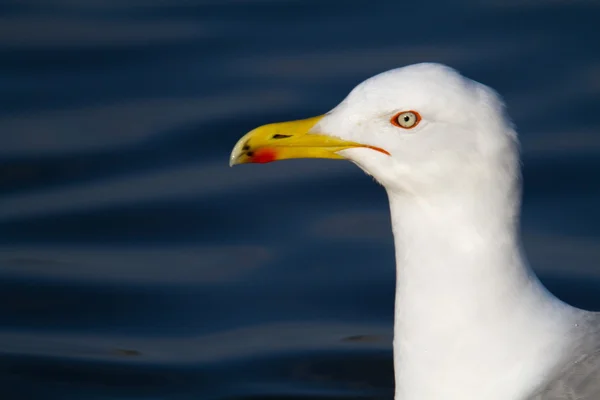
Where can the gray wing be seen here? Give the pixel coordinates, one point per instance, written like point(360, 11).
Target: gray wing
point(580, 379)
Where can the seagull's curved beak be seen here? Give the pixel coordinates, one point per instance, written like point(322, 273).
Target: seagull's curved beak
point(292, 139)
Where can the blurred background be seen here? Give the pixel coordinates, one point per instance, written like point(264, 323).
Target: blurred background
point(135, 264)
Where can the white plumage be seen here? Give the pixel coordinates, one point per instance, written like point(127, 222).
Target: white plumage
point(471, 319)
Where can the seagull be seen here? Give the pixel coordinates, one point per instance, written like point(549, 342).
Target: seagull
point(471, 319)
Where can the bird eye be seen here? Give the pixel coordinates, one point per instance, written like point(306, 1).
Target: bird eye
point(406, 119)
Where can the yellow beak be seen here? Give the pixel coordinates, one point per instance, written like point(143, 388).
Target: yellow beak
point(291, 139)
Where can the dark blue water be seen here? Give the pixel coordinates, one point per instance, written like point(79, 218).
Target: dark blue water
point(135, 264)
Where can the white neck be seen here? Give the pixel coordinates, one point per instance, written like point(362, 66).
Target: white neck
point(471, 319)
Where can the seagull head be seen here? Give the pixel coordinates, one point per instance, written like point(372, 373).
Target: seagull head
point(419, 128)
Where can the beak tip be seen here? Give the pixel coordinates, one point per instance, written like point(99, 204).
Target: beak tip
point(234, 157)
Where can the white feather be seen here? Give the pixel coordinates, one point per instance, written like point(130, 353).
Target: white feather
point(471, 319)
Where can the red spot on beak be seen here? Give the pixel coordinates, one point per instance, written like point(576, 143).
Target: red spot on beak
point(262, 156)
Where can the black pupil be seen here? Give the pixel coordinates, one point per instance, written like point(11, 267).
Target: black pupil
point(406, 118)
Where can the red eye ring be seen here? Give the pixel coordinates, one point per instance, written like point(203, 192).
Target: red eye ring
point(410, 119)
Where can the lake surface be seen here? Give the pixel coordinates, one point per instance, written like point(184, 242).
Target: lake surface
point(135, 264)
